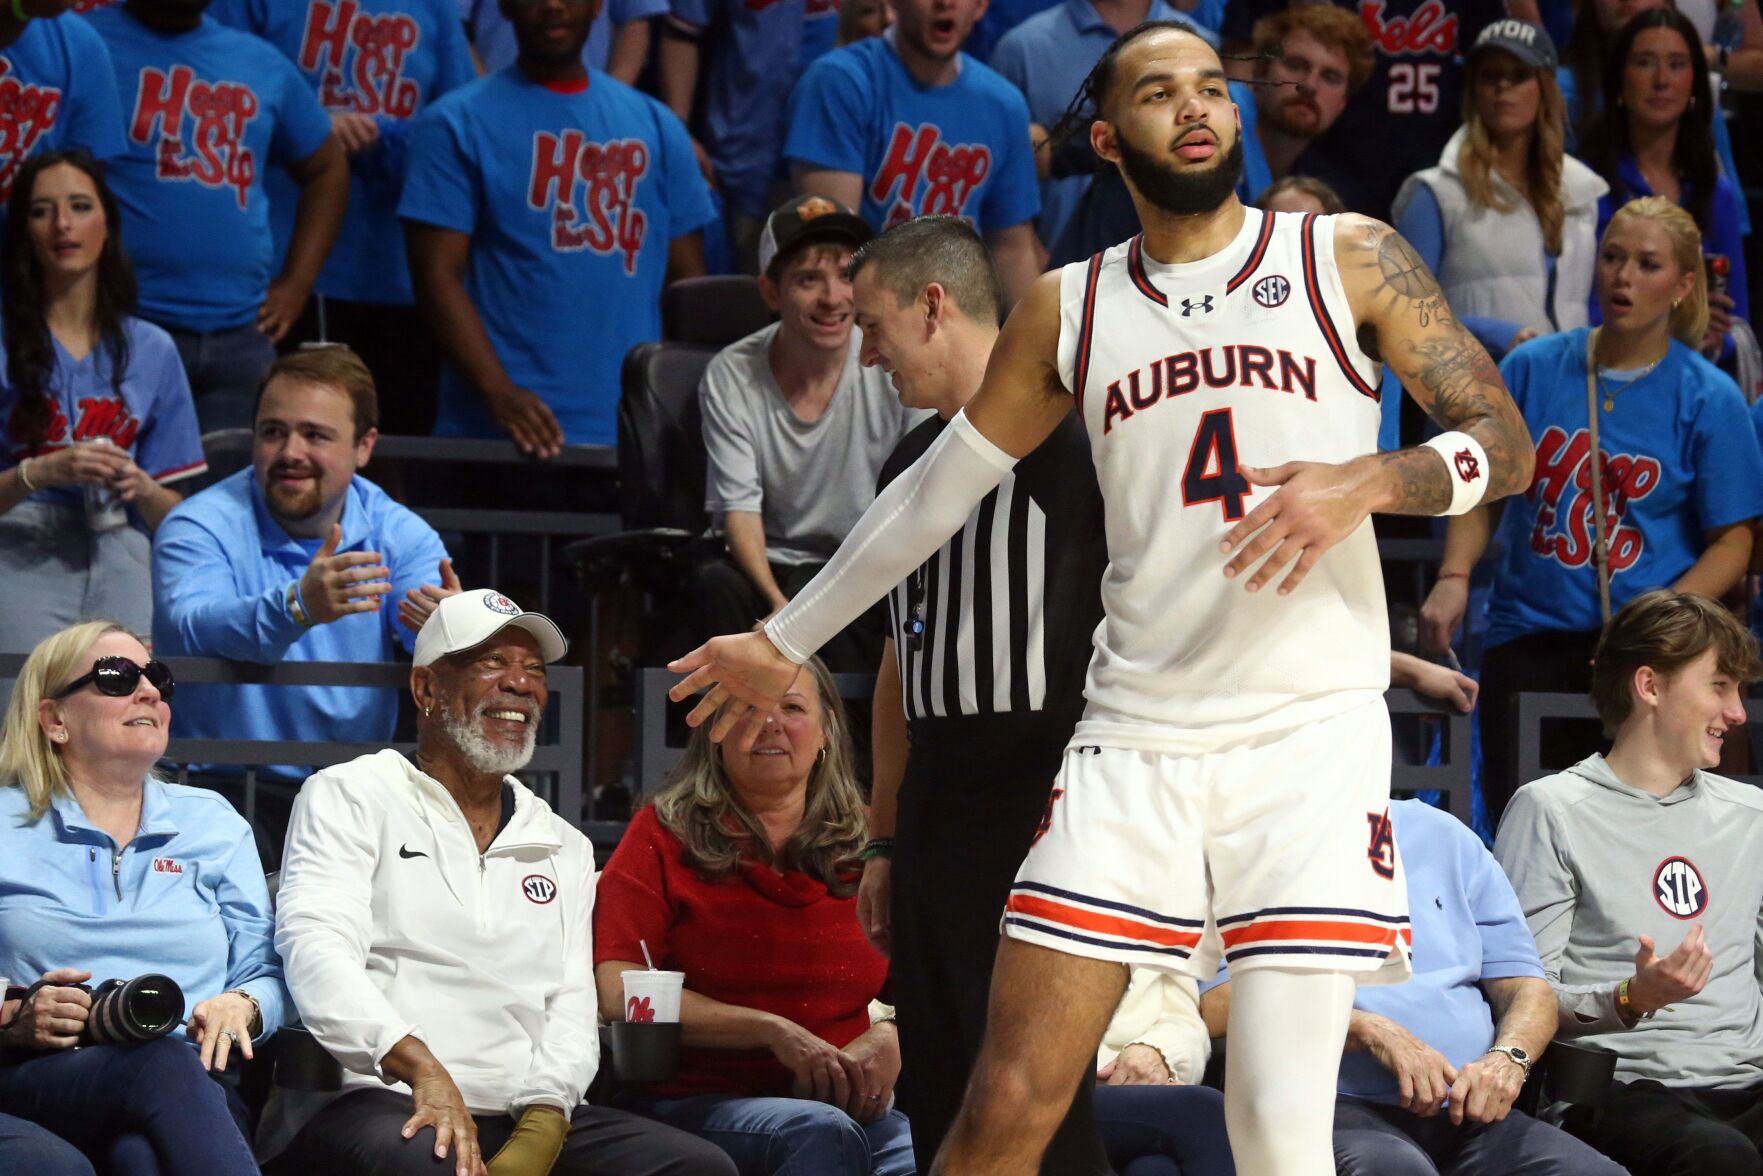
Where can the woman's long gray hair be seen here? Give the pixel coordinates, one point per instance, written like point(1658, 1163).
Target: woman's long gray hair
point(700, 808)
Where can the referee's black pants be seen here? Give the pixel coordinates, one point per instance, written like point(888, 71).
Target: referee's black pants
point(974, 793)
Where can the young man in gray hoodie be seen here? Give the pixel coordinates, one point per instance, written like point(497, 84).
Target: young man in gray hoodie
point(1641, 852)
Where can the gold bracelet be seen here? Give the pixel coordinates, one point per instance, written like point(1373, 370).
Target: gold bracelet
point(25, 476)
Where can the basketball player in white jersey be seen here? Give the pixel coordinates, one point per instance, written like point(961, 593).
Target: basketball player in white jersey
point(1227, 789)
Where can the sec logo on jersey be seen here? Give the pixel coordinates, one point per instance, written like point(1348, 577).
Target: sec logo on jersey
point(1679, 889)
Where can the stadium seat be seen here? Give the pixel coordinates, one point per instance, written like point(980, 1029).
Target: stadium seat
point(713, 311)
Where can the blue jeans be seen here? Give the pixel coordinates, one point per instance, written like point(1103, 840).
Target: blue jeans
point(791, 1136)
point(224, 368)
point(26, 1147)
point(139, 1110)
point(1164, 1130)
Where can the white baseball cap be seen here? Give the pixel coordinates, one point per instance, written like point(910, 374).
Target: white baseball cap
point(468, 619)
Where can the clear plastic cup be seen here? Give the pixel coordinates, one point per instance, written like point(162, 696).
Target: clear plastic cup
point(652, 996)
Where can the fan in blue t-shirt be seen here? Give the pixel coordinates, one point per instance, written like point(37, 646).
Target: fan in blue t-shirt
point(558, 208)
point(906, 125)
point(56, 90)
point(379, 60)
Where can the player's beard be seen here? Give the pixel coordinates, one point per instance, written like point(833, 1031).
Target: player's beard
point(1180, 193)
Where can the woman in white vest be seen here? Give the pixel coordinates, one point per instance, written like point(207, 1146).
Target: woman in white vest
point(1507, 219)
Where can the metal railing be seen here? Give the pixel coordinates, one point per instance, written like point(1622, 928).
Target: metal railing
point(1536, 709)
point(556, 771)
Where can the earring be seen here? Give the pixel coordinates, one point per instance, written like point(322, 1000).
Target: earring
point(427, 711)
point(59, 736)
point(820, 757)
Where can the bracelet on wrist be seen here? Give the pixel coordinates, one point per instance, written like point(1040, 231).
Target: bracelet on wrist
point(1453, 575)
point(24, 473)
point(877, 847)
point(256, 1010)
point(296, 609)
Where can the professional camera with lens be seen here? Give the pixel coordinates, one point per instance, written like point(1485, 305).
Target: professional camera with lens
point(125, 1011)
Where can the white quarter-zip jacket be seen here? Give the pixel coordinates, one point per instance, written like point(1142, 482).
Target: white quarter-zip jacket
point(389, 922)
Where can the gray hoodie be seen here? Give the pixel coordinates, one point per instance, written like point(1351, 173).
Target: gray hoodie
point(1597, 864)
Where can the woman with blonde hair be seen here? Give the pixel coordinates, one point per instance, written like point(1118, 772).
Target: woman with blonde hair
point(1507, 219)
point(1669, 504)
point(106, 871)
point(743, 874)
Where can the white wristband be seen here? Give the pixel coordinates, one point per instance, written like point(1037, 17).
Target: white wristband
point(1467, 464)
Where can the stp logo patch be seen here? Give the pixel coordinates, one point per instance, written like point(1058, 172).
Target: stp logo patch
point(1271, 291)
point(1467, 467)
point(538, 888)
point(1679, 889)
point(498, 603)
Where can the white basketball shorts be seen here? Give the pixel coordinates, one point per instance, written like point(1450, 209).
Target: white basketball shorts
point(1274, 851)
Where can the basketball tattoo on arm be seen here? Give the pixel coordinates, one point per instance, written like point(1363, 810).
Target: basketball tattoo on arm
point(1405, 320)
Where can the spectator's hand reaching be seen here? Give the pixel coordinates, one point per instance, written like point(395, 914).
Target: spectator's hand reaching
point(337, 586)
point(529, 420)
point(1659, 982)
point(1137, 1065)
point(1485, 1089)
point(54, 1016)
point(419, 603)
point(1422, 1073)
point(219, 1024)
point(874, 907)
point(356, 132)
point(282, 305)
point(1451, 687)
point(875, 1059)
point(1720, 308)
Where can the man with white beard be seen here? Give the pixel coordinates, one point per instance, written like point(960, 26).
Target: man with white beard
point(434, 921)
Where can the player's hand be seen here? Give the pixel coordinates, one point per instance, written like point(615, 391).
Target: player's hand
point(527, 419)
point(1316, 506)
point(1137, 1065)
point(419, 603)
point(282, 305)
point(875, 903)
point(339, 585)
point(1659, 982)
point(1443, 613)
point(1485, 1089)
point(1423, 1075)
point(83, 463)
point(742, 675)
point(356, 132)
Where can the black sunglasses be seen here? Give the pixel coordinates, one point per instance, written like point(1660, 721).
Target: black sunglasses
point(118, 677)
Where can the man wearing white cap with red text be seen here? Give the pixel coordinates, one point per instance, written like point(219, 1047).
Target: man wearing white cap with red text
point(434, 918)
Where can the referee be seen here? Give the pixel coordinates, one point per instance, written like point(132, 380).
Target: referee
point(981, 683)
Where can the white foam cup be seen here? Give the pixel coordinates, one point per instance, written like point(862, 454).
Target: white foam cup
point(652, 996)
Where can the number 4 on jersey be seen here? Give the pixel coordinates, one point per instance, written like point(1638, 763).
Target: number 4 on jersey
point(1211, 474)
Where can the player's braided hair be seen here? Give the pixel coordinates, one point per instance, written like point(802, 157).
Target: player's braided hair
point(1086, 105)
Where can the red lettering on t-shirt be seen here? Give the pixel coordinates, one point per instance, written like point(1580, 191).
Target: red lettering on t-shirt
point(27, 112)
point(1432, 29)
point(213, 154)
point(949, 173)
point(590, 190)
point(1566, 519)
point(373, 82)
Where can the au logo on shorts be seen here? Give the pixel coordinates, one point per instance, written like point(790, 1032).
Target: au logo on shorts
point(1679, 889)
point(538, 888)
point(1380, 850)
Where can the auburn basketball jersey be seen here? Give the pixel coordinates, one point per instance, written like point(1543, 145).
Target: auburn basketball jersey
point(1180, 373)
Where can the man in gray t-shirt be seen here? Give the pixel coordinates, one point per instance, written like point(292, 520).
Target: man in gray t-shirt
point(796, 430)
point(1641, 876)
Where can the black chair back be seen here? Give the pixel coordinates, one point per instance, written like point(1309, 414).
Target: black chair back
point(713, 311)
point(661, 462)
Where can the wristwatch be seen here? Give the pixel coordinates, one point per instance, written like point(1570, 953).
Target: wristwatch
point(1517, 1054)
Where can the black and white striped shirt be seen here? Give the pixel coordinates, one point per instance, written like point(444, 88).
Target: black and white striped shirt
point(1010, 603)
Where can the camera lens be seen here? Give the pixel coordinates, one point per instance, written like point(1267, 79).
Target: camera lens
point(135, 1010)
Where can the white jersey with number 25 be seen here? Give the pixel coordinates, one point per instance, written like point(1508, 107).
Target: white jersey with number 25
point(1181, 372)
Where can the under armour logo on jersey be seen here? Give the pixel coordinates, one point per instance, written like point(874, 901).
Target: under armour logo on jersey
point(1271, 291)
point(1678, 887)
point(1467, 467)
point(538, 888)
point(1381, 850)
point(1190, 305)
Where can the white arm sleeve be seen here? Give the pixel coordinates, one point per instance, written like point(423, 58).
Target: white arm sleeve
point(902, 528)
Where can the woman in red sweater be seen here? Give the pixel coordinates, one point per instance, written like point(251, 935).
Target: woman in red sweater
point(743, 875)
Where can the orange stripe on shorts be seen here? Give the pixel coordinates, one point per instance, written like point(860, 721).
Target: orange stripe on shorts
point(1085, 920)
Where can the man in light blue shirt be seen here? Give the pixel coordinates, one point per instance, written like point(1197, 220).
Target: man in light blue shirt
point(1431, 1066)
point(297, 559)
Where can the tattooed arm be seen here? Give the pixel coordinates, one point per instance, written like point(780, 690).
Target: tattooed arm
point(1403, 320)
